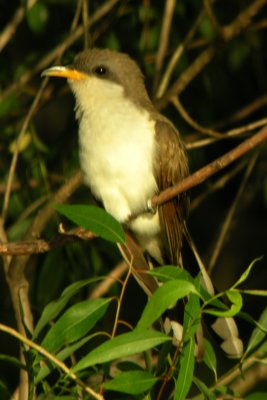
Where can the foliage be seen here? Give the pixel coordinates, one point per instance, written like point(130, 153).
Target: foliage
point(79, 346)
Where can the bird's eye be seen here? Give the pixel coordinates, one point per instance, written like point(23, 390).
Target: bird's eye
point(100, 70)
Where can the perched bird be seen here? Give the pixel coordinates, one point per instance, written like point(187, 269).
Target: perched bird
point(129, 152)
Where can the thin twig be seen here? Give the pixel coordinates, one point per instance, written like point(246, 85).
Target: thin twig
point(243, 19)
point(177, 55)
point(213, 19)
point(187, 76)
point(52, 358)
point(76, 16)
point(184, 114)
point(129, 273)
point(230, 31)
point(85, 13)
point(39, 246)
point(206, 172)
point(234, 373)
point(112, 277)
point(230, 134)
point(17, 149)
point(217, 185)
point(9, 31)
point(59, 49)
point(249, 379)
point(243, 112)
point(227, 222)
point(164, 39)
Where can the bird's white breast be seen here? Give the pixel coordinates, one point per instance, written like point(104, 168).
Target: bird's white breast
point(116, 150)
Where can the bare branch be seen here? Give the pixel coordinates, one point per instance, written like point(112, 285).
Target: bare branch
point(85, 13)
point(213, 18)
point(51, 357)
point(230, 134)
point(112, 277)
point(230, 31)
point(12, 26)
point(178, 105)
point(177, 55)
point(164, 39)
point(217, 185)
point(60, 49)
point(206, 172)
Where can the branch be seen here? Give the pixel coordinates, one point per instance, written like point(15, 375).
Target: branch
point(41, 246)
point(10, 29)
point(52, 358)
point(250, 378)
point(59, 49)
point(229, 32)
point(206, 172)
point(164, 39)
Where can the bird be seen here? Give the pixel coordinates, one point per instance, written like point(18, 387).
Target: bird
point(129, 152)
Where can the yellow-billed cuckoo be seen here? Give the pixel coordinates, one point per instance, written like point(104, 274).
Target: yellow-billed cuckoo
point(128, 153)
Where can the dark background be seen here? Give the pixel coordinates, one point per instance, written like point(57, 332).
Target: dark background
point(235, 78)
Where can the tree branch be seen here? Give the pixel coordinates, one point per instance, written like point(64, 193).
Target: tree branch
point(206, 172)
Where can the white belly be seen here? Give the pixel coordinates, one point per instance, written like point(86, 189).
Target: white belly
point(116, 150)
point(116, 159)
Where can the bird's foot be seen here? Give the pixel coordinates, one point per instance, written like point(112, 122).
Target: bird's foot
point(150, 208)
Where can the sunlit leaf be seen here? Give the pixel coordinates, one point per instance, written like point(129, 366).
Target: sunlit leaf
point(94, 219)
point(52, 309)
point(131, 382)
point(237, 302)
point(75, 323)
point(245, 274)
point(169, 272)
point(208, 395)
point(61, 355)
point(37, 17)
point(258, 335)
point(210, 357)
point(255, 292)
point(186, 370)
point(165, 296)
point(12, 360)
point(121, 346)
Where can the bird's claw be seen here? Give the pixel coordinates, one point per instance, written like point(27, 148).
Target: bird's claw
point(150, 208)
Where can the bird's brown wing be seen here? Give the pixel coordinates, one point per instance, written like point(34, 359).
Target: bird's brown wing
point(171, 166)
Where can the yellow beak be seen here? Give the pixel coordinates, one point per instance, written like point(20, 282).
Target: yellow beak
point(65, 72)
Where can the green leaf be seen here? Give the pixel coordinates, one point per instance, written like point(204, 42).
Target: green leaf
point(4, 392)
point(12, 360)
point(169, 272)
point(255, 292)
point(186, 370)
point(52, 309)
point(206, 28)
point(256, 396)
point(245, 274)
point(9, 104)
point(210, 358)
point(62, 355)
point(37, 17)
point(237, 302)
point(208, 395)
point(121, 346)
point(75, 323)
point(163, 298)
point(192, 313)
point(131, 382)
point(258, 335)
point(94, 219)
